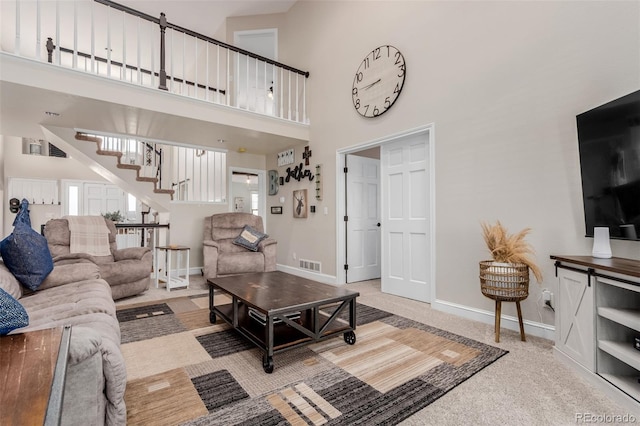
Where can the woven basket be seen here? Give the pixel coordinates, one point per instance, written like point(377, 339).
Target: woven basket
point(507, 282)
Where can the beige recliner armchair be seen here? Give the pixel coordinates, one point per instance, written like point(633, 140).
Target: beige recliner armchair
point(127, 270)
point(223, 257)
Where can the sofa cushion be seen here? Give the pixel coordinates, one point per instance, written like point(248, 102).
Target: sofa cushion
point(124, 271)
point(249, 238)
point(9, 283)
point(12, 314)
point(25, 252)
point(236, 263)
point(69, 301)
point(65, 273)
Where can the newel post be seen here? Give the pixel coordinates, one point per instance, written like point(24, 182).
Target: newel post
point(163, 72)
point(50, 47)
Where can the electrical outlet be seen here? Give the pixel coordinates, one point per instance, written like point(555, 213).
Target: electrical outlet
point(547, 298)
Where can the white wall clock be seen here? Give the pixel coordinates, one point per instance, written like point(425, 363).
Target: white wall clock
point(378, 81)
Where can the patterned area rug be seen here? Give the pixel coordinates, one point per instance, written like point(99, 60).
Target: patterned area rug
point(183, 370)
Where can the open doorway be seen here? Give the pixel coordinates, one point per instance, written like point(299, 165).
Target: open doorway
point(261, 90)
point(406, 227)
point(247, 191)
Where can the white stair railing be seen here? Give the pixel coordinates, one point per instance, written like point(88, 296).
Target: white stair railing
point(195, 174)
point(113, 41)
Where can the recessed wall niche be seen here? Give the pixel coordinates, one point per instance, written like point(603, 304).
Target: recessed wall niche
point(32, 146)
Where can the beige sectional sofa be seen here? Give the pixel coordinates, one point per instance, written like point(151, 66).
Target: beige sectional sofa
point(74, 294)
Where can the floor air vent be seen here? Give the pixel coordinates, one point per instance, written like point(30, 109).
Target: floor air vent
point(310, 265)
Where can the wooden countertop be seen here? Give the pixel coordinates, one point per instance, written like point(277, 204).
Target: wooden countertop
point(630, 267)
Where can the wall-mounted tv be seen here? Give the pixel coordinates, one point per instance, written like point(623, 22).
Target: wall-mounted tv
point(609, 144)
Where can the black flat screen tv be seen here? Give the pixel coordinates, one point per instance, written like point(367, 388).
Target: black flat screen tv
point(609, 145)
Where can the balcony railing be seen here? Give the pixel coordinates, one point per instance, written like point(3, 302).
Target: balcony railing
point(111, 40)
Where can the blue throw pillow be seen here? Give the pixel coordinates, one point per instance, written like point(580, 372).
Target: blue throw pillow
point(25, 252)
point(249, 238)
point(12, 314)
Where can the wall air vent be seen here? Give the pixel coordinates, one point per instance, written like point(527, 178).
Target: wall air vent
point(310, 265)
point(54, 151)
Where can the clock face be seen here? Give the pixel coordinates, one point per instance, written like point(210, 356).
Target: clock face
point(378, 81)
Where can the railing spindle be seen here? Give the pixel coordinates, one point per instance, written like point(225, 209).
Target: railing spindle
point(124, 47)
point(58, 58)
point(93, 40)
point(38, 30)
point(16, 45)
point(74, 62)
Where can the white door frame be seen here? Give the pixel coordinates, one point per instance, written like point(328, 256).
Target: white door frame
point(429, 131)
point(262, 193)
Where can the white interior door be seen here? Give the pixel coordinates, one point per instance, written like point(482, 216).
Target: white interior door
point(363, 211)
point(100, 198)
point(256, 81)
point(406, 261)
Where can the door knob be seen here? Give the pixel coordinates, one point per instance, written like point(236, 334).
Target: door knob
point(378, 224)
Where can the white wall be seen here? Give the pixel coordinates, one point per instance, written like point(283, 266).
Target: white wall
point(19, 165)
point(502, 82)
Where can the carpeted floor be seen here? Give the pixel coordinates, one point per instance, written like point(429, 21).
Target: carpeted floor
point(182, 369)
point(528, 386)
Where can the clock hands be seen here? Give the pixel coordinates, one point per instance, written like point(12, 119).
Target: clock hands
point(368, 86)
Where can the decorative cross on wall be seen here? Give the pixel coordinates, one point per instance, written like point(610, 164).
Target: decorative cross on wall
point(306, 155)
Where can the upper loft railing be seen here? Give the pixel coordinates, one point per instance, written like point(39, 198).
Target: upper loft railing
point(114, 41)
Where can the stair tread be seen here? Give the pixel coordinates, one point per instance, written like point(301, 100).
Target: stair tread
point(146, 179)
point(128, 166)
point(113, 153)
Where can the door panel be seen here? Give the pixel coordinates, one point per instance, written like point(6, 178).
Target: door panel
point(405, 218)
point(363, 211)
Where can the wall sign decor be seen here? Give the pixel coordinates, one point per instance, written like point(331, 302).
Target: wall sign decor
point(298, 173)
point(306, 155)
point(273, 182)
point(276, 209)
point(286, 157)
point(300, 206)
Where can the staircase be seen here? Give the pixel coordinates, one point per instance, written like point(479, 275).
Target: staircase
point(118, 154)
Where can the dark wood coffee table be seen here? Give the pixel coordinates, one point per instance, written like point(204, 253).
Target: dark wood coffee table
point(287, 311)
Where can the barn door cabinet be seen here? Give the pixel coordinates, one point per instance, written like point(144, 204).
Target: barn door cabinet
point(598, 321)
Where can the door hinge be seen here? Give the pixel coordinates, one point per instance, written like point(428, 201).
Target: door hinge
point(346, 267)
point(346, 170)
point(346, 218)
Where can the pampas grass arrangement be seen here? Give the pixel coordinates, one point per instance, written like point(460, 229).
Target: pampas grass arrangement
point(510, 248)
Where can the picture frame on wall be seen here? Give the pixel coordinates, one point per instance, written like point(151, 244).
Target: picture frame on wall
point(300, 205)
point(276, 209)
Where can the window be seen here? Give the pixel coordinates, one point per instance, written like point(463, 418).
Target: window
point(254, 203)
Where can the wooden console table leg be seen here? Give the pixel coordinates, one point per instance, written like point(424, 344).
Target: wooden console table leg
point(522, 337)
point(498, 309)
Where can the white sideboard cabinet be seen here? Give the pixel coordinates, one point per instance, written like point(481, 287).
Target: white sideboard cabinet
point(598, 321)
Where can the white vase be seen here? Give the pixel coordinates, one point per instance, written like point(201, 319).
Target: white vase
point(601, 245)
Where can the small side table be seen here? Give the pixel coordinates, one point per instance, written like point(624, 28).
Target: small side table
point(172, 276)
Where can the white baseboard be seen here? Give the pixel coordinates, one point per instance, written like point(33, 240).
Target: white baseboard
point(323, 278)
point(488, 317)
